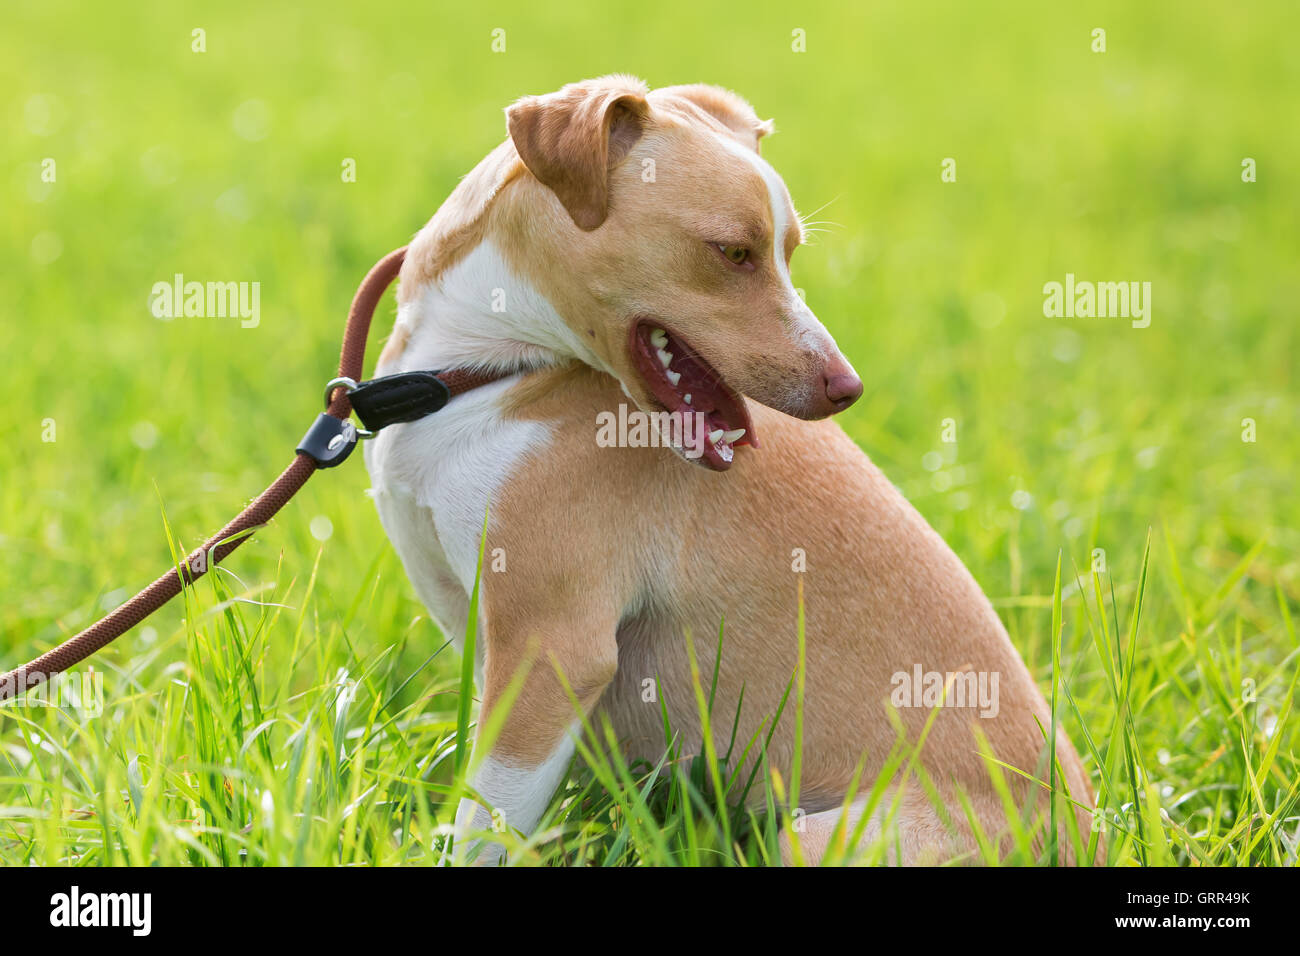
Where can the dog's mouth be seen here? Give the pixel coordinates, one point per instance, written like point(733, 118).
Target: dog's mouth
point(715, 420)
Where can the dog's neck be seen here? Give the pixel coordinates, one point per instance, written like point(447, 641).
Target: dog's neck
point(479, 314)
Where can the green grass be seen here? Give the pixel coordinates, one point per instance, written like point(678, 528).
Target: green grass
point(299, 706)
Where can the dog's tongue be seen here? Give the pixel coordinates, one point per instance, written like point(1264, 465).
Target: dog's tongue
point(710, 396)
point(684, 382)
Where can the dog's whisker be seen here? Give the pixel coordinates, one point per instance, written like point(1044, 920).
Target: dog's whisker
point(806, 217)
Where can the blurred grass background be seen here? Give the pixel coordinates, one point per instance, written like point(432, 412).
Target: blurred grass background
point(1073, 434)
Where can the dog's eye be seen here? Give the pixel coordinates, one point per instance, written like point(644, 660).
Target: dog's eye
point(737, 254)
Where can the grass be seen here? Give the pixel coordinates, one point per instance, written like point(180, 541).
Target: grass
point(300, 708)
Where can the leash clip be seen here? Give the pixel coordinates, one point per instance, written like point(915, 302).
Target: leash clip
point(379, 402)
point(349, 385)
point(329, 441)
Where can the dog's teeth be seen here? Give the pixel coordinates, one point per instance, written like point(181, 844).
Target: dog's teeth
point(665, 357)
point(733, 436)
point(658, 338)
point(673, 377)
point(715, 435)
point(688, 398)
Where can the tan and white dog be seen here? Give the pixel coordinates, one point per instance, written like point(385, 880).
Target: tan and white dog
point(631, 245)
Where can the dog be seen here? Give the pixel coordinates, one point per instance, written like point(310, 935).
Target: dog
point(631, 247)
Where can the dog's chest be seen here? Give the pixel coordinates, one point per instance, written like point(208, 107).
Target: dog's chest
point(434, 481)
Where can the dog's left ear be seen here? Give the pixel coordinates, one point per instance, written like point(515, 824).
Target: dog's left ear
point(571, 139)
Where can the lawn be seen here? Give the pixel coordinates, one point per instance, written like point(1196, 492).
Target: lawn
point(300, 706)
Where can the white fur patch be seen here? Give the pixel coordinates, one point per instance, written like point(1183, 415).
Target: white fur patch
point(438, 476)
point(434, 479)
point(484, 315)
point(806, 329)
point(518, 795)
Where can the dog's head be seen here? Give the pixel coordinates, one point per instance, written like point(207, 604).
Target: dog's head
point(669, 239)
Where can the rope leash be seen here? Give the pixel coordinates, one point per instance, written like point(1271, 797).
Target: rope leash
point(378, 403)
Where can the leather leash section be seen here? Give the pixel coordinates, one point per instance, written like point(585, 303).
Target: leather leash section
point(383, 401)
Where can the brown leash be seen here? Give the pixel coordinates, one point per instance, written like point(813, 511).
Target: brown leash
point(380, 402)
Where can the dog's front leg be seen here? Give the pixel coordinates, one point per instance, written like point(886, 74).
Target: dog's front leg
point(528, 758)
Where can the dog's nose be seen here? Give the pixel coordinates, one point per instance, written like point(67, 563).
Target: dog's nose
point(843, 389)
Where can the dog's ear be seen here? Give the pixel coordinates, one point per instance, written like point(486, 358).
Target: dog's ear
point(729, 109)
point(571, 139)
